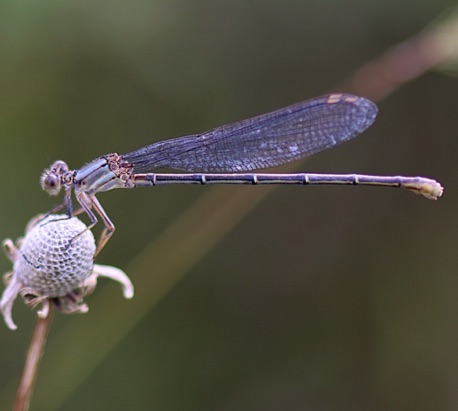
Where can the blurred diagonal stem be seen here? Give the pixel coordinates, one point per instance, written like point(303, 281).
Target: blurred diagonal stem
point(168, 257)
point(435, 47)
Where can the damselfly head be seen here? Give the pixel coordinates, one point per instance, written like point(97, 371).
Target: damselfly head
point(52, 178)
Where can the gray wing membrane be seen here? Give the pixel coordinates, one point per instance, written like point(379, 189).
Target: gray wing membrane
point(271, 139)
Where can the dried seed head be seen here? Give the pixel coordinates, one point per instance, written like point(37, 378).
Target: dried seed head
point(57, 256)
point(55, 263)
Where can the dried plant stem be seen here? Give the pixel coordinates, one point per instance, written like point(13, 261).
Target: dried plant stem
point(32, 362)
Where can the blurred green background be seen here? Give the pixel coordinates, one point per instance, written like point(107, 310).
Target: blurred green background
point(330, 298)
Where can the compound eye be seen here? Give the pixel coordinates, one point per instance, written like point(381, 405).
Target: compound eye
point(51, 184)
point(60, 167)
